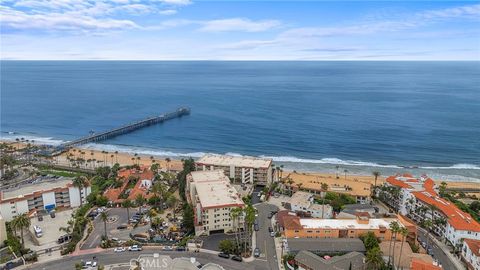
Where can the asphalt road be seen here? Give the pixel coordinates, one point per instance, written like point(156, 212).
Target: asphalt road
point(109, 257)
point(438, 253)
point(265, 242)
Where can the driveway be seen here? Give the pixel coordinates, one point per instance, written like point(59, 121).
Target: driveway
point(119, 216)
point(255, 197)
point(265, 242)
point(212, 241)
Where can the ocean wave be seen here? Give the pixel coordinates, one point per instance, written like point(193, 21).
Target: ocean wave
point(334, 161)
point(140, 150)
point(455, 167)
point(36, 139)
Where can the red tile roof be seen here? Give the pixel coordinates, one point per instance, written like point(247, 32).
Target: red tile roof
point(474, 246)
point(112, 194)
point(456, 217)
point(421, 265)
point(395, 182)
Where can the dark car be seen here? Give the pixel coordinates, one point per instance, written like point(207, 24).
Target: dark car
point(256, 227)
point(181, 249)
point(224, 255)
point(256, 253)
point(237, 258)
point(270, 229)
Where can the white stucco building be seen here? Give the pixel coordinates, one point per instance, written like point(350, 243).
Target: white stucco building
point(213, 198)
point(241, 169)
point(47, 194)
point(302, 203)
point(471, 253)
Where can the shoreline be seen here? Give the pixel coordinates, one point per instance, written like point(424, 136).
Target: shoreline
point(108, 158)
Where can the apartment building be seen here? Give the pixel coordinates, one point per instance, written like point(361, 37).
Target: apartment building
point(360, 190)
point(471, 254)
point(3, 231)
point(213, 198)
point(296, 227)
point(417, 199)
point(303, 204)
point(46, 194)
point(241, 169)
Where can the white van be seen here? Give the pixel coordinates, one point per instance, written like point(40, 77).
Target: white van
point(38, 231)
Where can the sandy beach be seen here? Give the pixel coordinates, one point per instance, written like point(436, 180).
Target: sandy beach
point(104, 158)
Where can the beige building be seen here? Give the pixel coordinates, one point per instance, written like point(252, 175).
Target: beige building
point(45, 195)
point(303, 203)
point(241, 169)
point(213, 198)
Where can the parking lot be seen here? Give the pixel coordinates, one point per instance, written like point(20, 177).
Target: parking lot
point(50, 230)
point(117, 217)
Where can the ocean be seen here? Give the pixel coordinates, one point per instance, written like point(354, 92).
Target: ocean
point(420, 117)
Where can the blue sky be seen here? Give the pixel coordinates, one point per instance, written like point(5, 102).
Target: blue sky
point(239, 30)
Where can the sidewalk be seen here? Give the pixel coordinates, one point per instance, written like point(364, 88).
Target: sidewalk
point(278, 245)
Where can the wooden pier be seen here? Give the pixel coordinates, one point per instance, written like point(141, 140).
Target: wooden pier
point(124, 129)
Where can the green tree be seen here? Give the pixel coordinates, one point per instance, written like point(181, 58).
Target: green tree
point(140, 201)
point(188, 167)
point(404, 232)
point(394, 228)
point(21, 222)
point(159, 190)
point(80, 182)
point(104, 218)
point(374, 258)
point(172, 202)
point(127, 204)
point(375, 174)
point(235, 215)
point(188, 218)
point(227, 246)
point(369, 240)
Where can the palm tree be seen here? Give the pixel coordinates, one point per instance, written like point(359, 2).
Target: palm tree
point(116, 156)
point(104, 218)
point(299, 186)
point(140, 201)
point(127, 204)
point(374, 258)
point(336, 171)
point(159, 190)
point(172, 201)
point(324, 187)
point(290, 182)
point(22, 222)
point(168, 163)
point(404, 232)
point(376, 174)
point(235, 215)
point(249, 220)
point(394, 228)
point(80, 182)
point(345, 171)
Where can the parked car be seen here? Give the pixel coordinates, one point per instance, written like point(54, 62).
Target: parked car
point(119, 249)
point(64, 238)
point(256, 227)
point(272, 234)
point(168, 248)
point(224, 255)
point(270, 229)
point(256, 253)
point(181, 249)
point(135, 248)
point(237, 258)
point(122, 227)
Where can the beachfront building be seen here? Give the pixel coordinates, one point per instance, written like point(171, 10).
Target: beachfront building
point(303, 204)
point(418, 199)
point(294, 226)
point(213, 198)
point(471, 254)
point(356, 188)
point(46, 194)
point(241, 169)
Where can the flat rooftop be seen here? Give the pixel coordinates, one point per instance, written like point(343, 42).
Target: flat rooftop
point(208, 176)
point(44, 185)
point(301, 198)
point(312, 223)
point(237, 161)
point(217, 194)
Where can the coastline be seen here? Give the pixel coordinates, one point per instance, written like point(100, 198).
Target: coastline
point(109, 158)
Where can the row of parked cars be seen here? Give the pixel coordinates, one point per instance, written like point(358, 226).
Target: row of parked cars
point(139, 248)
point(227, 256)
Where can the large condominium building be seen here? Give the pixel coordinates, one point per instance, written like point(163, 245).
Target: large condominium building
point(296, 227)
point(360, 190)
point(213, 198)
point(417, 199)
point(43, 195)
point(241, 169)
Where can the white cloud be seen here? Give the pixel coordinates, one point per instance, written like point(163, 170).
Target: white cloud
point(238, 24)
point(168, 12)
point(177, 2)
